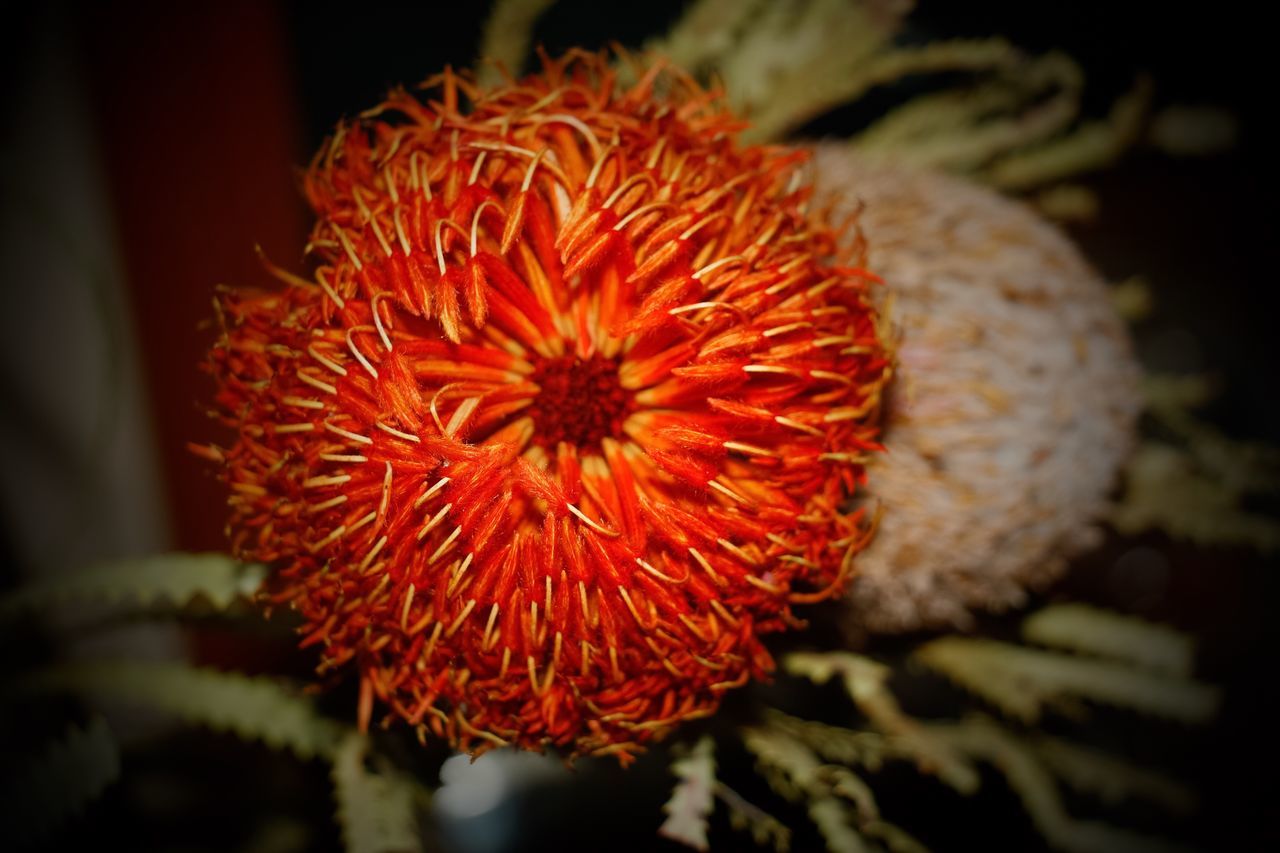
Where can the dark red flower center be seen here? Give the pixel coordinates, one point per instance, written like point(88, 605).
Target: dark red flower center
point(580, 402)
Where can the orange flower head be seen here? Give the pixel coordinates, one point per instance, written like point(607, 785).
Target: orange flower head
point(562, 420)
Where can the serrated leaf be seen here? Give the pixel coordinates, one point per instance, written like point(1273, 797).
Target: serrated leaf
point(1084, 629)
point(865, 682)
point(691, 798)
point(706, 30)
point(862, 677)
point(508, 33)
point(983, 739)
point(834, 795)
point(790, 767)
point(1111, 779)
point(895, 838)
point(764, 827)
point(831, 816)
point(163, 579)
point(1170, 489)
point(863, 748)
point(58, 786)
point(1090, 146)
point(1020, 682)
point(375, 810)
point(250, 707)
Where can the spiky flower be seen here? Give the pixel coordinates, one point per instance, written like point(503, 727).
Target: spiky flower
point(563, 418)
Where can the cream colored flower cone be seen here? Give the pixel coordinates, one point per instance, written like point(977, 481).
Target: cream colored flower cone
point(1015, 400)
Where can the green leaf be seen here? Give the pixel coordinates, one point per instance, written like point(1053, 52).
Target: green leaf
point(691, 799)
point(787, 765)
point(252, 708)
point(865, 682)
point(764, 827)
point(1170, 489)
point(145, 582)
point(375, 810)
point(1020, 682)
point(1081, 628)
point(832, 818)
point(57, 786)
point(1111, 779)
point(508, 33)
point(981, 738)
point(832, 794)
point(854, 747)
point(894, 838)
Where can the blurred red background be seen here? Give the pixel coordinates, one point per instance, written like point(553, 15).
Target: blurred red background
point(199, 115)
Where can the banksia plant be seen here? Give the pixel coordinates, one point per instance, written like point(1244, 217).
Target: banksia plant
point(566, 414)
point(1015, 403)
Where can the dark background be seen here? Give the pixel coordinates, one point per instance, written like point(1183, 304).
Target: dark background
point(202, 110)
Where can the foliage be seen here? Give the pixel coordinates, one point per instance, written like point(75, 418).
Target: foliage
point(785, 62)
point(68, 775)
point(1032, 782)
point(1021, 682)
point(508, 32)
point(1090, 630)
point(963, 129)
point(864, 681)
point(1112, 781)
point(143, 582)
point(765, 829)
point(375, 809)
point(840, 803)
point(1016, 124)
point(1092, 146)
point(820, 765)
point(691, 799)
point(254, 708)
point(1194, 485)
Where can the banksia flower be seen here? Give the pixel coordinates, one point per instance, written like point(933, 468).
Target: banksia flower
point(563, 419)
point(1015, 400)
